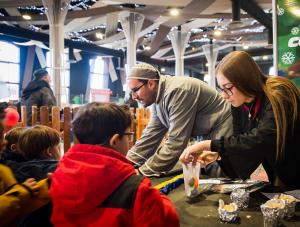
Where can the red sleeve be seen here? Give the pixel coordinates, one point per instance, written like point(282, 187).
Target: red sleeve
point(151, 208)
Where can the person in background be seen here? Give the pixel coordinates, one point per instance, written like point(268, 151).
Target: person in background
point(11, 118)
point(11, 151)
point(17, 198)
point(266, 122)
point(14, 197)
point(95, 185)
point(38, 93)
point(182, 106)
point(40, 146)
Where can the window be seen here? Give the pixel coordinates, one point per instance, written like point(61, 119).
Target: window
point(10, 70)
point(98, 81)
point(97, 73)
point(65, 77)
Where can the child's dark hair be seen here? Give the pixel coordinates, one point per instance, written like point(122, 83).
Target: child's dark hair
point(13, 135)
point(35, 140)
point(1, 127)
point(96, 123)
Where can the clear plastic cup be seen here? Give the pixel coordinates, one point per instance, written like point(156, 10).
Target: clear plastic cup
point(191, 179)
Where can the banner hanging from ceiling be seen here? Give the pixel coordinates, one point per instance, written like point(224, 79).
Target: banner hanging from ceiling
point(288, 33)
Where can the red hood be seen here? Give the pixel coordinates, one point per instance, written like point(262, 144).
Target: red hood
point(86, 176)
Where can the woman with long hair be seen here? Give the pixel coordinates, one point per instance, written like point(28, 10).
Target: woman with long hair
point(266, 123)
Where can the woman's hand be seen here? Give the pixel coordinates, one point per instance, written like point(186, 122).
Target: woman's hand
point(192, 153)
point(208, 157)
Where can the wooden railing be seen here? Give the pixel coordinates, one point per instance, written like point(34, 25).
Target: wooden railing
point(63, 124)
point(42, 117)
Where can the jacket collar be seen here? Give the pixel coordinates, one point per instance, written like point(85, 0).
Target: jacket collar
point(161, 88)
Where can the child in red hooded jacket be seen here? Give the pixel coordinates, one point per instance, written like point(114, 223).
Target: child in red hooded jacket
point(95, 185)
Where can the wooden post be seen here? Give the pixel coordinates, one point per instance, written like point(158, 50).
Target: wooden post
point(23, 116)
point(67, 128)
point(34, 115)
point(133, 125)
point(142, 119)
point(75, 110)
point(56, 118)
point(44, 115)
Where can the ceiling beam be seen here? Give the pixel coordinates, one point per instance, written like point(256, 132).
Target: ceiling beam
point(256, 12)
point(20, 3)
point(70, 15)
point(199, 59)
point(31, 35)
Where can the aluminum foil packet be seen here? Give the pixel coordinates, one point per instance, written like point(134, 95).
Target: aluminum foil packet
point(228, 212)
point(240, 197)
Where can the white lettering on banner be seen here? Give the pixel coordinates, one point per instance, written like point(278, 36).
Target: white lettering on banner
point(294, 42)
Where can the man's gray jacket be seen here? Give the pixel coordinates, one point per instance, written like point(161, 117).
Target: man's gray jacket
point(184, 107)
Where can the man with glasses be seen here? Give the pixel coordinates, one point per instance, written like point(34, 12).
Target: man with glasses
point(182, 106)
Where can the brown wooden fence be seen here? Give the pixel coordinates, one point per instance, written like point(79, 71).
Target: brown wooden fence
point(63, 125)
point(42, 117)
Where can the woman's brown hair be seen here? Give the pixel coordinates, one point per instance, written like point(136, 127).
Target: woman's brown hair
point(35, 140)
point(243, 72)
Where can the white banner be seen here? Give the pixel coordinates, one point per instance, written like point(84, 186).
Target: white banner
point(112, 71)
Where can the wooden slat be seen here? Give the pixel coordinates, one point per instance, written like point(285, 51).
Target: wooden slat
point(56, 118)
point(142, 119)
point(133, 126)
point(67, 128)
point(23, 116)
point(44, 115)
point(34, 115)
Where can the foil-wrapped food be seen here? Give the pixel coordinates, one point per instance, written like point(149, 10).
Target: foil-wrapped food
point(240, 197)
point(273, 211)
point(290, 204)
point(227, 212)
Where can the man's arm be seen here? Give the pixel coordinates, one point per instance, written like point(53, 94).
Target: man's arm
point(149, 141)
point(182, 108)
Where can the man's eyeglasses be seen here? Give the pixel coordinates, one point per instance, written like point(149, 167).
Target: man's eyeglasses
point(136, 89)
point(227, 90)
point(130, 136)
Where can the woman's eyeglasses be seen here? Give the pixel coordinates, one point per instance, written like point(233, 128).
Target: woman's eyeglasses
point(227, 90)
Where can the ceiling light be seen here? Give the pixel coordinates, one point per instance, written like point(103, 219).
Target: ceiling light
point(245, 47)
point(174, 12)
point(162, 69)
point(265, 57)
point(147, 48)
point(217, 33)
point(26, 17)
point(99, 35)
